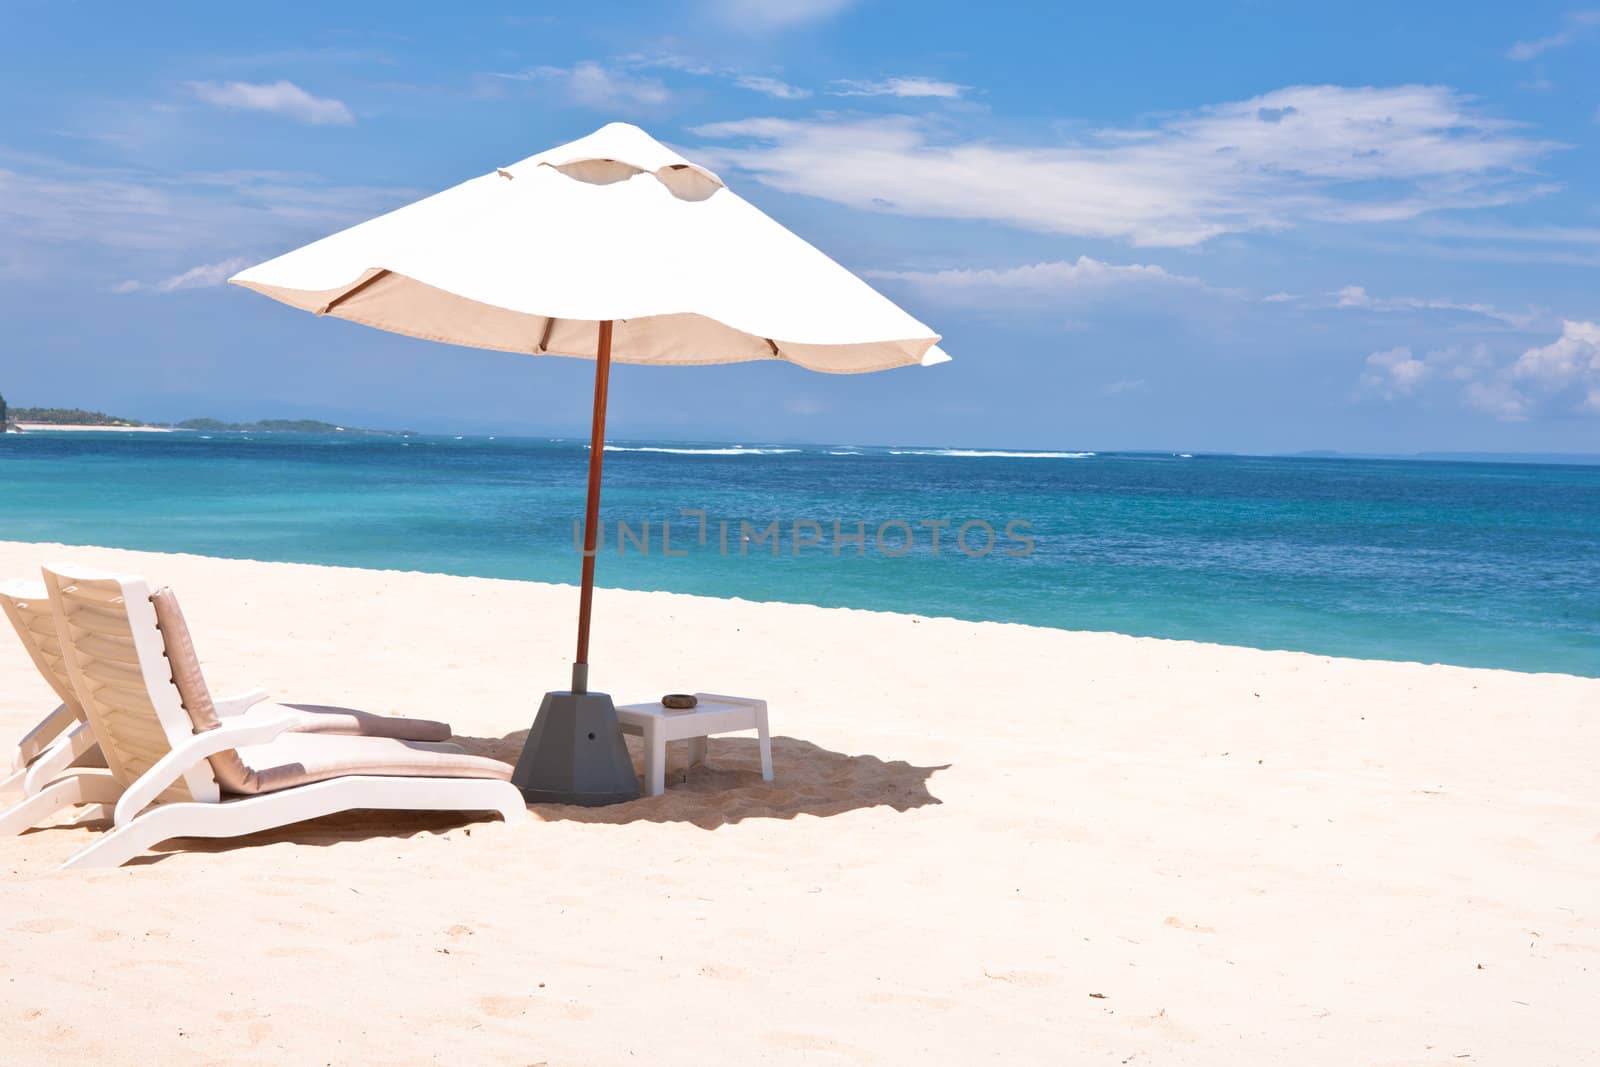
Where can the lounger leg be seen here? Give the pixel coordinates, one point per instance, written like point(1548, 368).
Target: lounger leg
point(120, 845)
point(235, 818)
point(87, 788)
point(95, 813)
point(61, 755)
point(764, 740)
point(39, 738)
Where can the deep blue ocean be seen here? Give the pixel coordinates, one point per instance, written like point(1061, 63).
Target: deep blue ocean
point(1481, 564)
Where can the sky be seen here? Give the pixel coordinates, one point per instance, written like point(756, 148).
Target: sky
point(1224, 227)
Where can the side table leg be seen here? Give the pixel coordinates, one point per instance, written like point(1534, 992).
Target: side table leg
point(697, 750)
point(655, 761)
point(765, 741)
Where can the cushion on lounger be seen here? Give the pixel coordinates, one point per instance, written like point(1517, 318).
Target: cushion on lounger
point(230, 770)
point(326, 719)
point(299, 759)
point(231, 773)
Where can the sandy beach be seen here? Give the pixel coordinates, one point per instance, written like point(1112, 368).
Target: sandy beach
point(986, 843)
point(52, 427)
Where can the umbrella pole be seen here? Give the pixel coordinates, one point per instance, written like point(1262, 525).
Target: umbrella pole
point(591, 511)
point(575, 753)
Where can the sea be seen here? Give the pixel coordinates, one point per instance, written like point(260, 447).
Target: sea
point(1472, 563)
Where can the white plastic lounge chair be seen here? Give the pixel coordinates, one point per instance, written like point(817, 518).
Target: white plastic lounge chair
point(27, 607)
point(40, 756)
point(213, 777)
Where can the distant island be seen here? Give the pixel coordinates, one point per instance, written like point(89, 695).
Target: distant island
point(282, 426)
point(68, 417)
point(1581, 459)
point(23, 419)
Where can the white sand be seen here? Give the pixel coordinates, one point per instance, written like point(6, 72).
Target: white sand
point(52, 427)
point(987, 843)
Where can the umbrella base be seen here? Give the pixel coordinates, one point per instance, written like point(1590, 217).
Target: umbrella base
point(575, 754)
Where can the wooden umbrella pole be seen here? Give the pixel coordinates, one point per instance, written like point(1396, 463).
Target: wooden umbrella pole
point(591, 511)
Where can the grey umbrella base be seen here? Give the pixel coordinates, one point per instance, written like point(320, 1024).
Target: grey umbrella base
point(575, 754)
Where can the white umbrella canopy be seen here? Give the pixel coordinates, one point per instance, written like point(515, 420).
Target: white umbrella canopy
point(610, 247)
point(614, 226)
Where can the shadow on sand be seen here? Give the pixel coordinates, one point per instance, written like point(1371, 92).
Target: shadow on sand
point(727, 788)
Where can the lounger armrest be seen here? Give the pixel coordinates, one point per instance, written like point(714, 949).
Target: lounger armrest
point(58, 757)
point(239, 703)
point(40, 737)
point(170, 768)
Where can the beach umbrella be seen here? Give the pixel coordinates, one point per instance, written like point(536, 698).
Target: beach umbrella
point(612, 247)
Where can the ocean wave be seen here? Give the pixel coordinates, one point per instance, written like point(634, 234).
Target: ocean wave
point(736, 450)
point(976, 453)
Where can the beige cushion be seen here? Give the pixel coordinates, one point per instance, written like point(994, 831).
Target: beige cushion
point(232, 774)
point(230, 770)
point(327, 719)
point(183, 662)
point(300, 759)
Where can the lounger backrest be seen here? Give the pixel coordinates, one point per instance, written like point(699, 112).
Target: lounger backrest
point(184, 664)
point(27, 605)
point(113, 653)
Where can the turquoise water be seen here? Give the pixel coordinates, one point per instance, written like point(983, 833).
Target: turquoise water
point(1482, 564)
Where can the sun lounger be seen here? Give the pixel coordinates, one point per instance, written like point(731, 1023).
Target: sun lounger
point(27, 607)
point(44, 752)
point(202, 775)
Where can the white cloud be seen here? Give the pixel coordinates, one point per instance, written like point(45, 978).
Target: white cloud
point(204, 276)
point(1539, 83)
point(1485, 231)
point(1560, 378)
point(770, 86)
point(598, 87)
point(762, 16)
point(276, 98)
point(99, 224)
point(912, 87)
point(670, 61)
point(1577, 24)
point(766, 84)
point(1394, 372)
point(1302, 154)
point(1083, 276)
point(1357, 297)
point(1497, 397)
point(1353, 296)
point(1568, 368)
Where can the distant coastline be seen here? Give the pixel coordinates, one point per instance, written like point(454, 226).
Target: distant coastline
point(66, 427)
point(78, 420)
point(1581, 459)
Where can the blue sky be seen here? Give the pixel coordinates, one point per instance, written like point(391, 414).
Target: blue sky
point(1233, 226)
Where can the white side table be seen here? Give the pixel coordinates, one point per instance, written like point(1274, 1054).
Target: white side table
point(713, 714)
